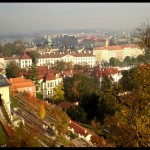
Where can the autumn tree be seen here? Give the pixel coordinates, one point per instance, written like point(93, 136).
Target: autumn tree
point(58, 95)
point(62, 119)
point(143, 34)
point(131, 121)
point(42, 110)
point(12, 70)
point(23, 138)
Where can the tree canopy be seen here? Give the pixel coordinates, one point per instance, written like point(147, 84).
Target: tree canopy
point(12, 70)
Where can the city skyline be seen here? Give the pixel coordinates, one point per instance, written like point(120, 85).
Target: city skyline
point(27, 17)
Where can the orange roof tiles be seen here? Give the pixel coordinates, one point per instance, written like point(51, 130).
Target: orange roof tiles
point(20, 82)
point(21, 85)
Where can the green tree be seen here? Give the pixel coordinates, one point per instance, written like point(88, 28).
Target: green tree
point(78, 85)
point(77, 113)
point(89, 103)
point(60, 65)
point(68, 81)
point(3, 135)
point(12, 70)
point(33, 75)
point(77, 67)
point(99, 105)
point(8, 50)
point(114, 62)
point(127, 61)
point(127, 81)
point(106, 82)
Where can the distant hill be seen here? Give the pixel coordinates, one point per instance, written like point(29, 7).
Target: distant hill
point(75, 31)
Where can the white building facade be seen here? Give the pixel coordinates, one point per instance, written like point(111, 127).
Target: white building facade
point(119, 52)
point(75, 58)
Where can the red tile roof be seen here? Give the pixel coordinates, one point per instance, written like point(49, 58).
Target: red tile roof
point(66, 105)
point(25, 56)
point(79, 129)
point(106, 71)
point(58, 55)
point(42, 70)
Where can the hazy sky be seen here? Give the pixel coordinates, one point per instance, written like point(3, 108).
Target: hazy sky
point(22, 17)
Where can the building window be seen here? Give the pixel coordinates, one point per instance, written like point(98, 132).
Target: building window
point(51, 85)
point(47, 84)
point(48, 92)
point(0, 99)
point(51, 92)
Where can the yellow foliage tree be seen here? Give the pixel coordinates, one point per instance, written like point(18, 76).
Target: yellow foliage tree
point(58, 93)
point(42, 110)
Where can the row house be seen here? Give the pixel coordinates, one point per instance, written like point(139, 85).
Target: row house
point(75, 58)
point(120, 52)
